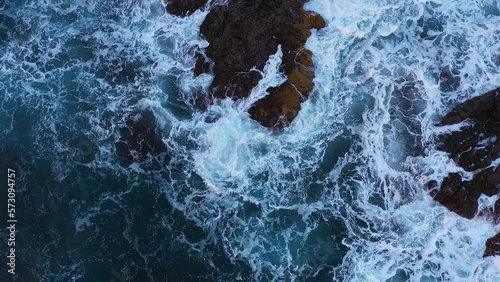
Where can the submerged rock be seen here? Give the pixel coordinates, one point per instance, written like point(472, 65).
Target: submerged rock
point(139, 139)
point(241, 36)
point(475, 148)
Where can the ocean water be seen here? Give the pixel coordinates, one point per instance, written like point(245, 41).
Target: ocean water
point(338, 196)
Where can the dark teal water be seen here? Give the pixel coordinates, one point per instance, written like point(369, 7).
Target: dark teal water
point(209, 195)
point(69, 77)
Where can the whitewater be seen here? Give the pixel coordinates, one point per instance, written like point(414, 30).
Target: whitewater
point(339, 195)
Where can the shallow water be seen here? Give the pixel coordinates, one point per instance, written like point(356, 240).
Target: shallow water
point(337, 196)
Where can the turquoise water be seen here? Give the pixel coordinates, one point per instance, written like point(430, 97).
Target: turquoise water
point(338, 196)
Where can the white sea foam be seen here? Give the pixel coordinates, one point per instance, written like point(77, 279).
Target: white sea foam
point(369, 57)
point(348, 175)
point(458, 244)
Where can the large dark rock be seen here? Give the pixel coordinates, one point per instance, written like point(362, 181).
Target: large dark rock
point(475, 147)
point(184, 7)
point(457, 196)
point(241, 36)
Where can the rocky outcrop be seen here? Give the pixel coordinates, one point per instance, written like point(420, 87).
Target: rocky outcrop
point(476, 148)
point(241, 36)
point(184, 7)
point(281, 106)
point(493, 246)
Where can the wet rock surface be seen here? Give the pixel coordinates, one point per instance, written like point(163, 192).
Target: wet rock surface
point(241, 36)
point(493, 246)
point(184, 7)
point(475, 148)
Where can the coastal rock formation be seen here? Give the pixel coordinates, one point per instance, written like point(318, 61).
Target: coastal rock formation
point(493, 246)
point(184, 7)
point(282, 104)
point(475, 148)
point(241, 36)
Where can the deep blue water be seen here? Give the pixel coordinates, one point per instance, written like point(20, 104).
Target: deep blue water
point(338, 196)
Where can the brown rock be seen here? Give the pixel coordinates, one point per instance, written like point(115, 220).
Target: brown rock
point(304, 57)
point(279, 108)
point(492, 246)
point(309, 20)
point(242, 36)
point(479, 109)
point(474, 148)
point(457, 197)
point(486, 181)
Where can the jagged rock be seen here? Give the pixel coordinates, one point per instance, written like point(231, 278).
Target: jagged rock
point(456, 196)
point(493, 246)
point(479, 109)
point(475, 147)
point(241, 36)
point(184, 7)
